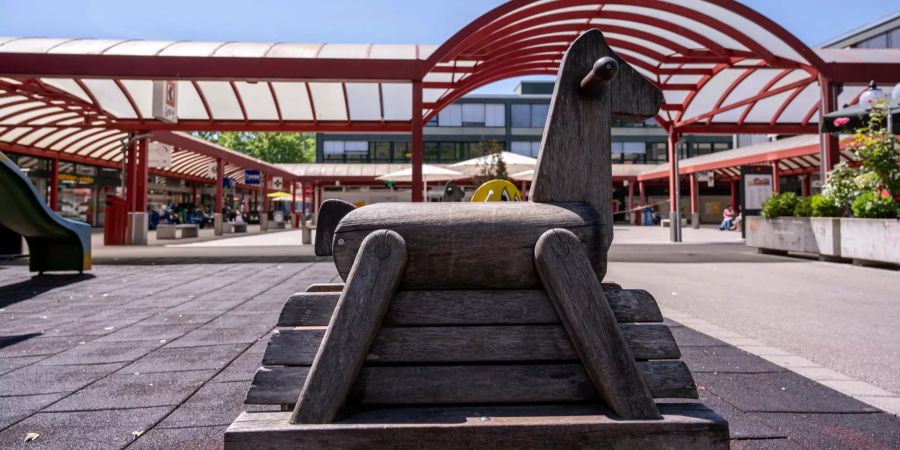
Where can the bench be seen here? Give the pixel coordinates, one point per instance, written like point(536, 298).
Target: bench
point(666, 223)
point(232, 227)
point(180, 231)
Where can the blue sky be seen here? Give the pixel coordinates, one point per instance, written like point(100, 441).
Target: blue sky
point(346, 21)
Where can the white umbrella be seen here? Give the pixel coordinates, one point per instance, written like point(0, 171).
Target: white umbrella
point(514, 163)
point(526, 175)
point(429, 173)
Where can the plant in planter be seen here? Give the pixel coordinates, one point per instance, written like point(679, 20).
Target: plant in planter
point(824, 206)
point(780, 205)
point(872, 205)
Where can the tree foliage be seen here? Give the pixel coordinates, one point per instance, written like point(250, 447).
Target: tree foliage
point(494, 167)
point(276, 148)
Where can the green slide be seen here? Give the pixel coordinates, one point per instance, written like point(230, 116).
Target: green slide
point(55, 243)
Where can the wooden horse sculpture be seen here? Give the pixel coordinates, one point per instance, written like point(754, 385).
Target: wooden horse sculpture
point(486, 324)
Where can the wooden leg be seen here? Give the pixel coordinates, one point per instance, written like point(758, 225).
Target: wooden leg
point(357, 318)
point(584, 311)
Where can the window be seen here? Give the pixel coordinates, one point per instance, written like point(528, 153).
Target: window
point(521, 116)
point(527, 148)
point(402, 152)
point(539, 115)
point(473, 114)
point(659, 153)
point(431, 152)
point(495, 115)
point(381, 151)
point(448, 152)
point(451, 116)
point(356, 147)
point(333, 148)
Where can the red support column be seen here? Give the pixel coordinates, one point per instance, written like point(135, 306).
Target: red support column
point(695, 201)
point(218, 218)
point(194, 194)
point(830, 152)
point(54, 185)
point(264, 198)
point(734, 195)
point(674, 189)
point(631, 213)
point(293, 201)
point(417, 144)
point(806, 184)
point(776, 176)
point(642, 192)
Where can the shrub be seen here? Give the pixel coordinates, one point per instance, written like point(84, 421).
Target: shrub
point(780, 205)
point(803, 207)
point(824, 206)
point(872, 205)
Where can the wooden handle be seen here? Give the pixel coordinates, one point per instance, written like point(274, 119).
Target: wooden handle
point(603, 71)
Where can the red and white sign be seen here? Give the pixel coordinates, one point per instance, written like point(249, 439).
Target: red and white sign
point(159, 155)
point(165, 101)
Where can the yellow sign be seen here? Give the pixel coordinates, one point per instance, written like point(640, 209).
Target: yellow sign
point(78, 179)
point(497, 191)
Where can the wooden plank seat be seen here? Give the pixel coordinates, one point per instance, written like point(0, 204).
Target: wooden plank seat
point(513, 337)
point(179, 231)
point(231, 227)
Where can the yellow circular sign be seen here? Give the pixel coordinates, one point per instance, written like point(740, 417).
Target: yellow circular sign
point(497, 191)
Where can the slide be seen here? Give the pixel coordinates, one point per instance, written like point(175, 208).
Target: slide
point(55, 243)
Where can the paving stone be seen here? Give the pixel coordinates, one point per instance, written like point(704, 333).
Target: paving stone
point(14, 409)
point(41, 379)
point(90, 327)
point(103, 352)
point(199, 438)
point(141, 332)
point(686, 337)
point(725, 359)
point(740, 425)
point(40, 345)
point(202, 337)
point(136, 391)
point(764, 444)
point(242, 368)
point(83, 430)
point(838, 431)
point(213, 404)
point(777, 392)
point(176, 318)
point(10, 364)
point(186, 358)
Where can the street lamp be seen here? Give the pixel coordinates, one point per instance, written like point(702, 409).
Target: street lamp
point(872, 95)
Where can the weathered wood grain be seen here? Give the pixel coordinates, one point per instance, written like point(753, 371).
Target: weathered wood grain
point(354, 325)
point(469, 245)
point(533, 427)
point(585, 313)
point(477, 384)
point(468, 307)
point(468, 344)
point(325, 287)
point(330, 214)
point(574, 161)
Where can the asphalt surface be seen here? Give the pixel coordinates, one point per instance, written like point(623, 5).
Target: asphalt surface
point(841, 316)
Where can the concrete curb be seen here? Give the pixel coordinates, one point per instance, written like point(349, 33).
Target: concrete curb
point(859, 390)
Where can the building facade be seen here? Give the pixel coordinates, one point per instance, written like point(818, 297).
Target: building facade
point(478, 124)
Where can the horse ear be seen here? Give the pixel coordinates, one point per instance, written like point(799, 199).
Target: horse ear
point(633, 96)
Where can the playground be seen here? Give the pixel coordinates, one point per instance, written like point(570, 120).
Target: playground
point(236, 298)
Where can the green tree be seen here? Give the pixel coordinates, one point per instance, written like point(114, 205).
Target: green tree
point(494, 167)
point(273, 148)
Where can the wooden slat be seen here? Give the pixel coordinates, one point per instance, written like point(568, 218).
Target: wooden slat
point(525, 383)
point(357, 318)
point(507, 427)
point(326, 287)
point(297, 347)
point(466, 245)
point(577, 295)
point(468, 307)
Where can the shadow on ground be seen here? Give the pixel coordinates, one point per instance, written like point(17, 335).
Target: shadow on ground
point(13, 293)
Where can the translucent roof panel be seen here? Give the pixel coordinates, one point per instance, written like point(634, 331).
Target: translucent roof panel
point(329, 101)
point(222, 101)
point(258, 100)
point(364, 101)
point(294, 100)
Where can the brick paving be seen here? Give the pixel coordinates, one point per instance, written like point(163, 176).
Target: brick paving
point(145, 356)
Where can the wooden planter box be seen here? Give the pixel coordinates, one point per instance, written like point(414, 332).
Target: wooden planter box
point(871, 240)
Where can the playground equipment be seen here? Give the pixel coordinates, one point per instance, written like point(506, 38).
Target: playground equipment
point(497, 191)
point(485, 325)
point(54, 243)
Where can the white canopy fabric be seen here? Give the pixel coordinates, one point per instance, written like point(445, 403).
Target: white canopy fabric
point(514, 163)
point(525, 175)
point(429, 172)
